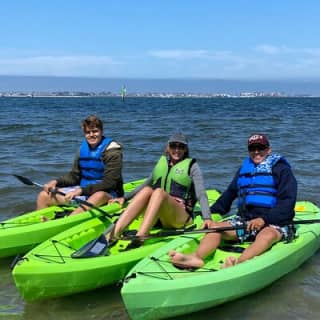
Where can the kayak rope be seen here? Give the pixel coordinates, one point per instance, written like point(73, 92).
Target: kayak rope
point(52, 257)
point(161, 266)
point(165, 274)
point(8, 225)
point(17, 259)
point(14, 224)
point(184, 269)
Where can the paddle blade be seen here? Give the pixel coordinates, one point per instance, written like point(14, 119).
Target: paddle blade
point(24, 180)
point(94, 248)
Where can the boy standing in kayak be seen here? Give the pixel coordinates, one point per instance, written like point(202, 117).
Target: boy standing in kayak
point(96, 174)
point(266, 190)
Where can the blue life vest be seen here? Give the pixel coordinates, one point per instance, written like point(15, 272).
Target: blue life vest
point(256, 185)
point(90, 162)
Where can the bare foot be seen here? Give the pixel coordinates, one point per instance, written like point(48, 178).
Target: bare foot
point(44, 219)
point(172, 253)
point(229, 262)
point(185, 260)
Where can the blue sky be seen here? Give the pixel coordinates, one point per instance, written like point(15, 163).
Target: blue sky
point(239, 39)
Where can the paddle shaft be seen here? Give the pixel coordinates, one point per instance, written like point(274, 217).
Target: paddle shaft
point(84, 202)
point(178, 232)
point(306, 221)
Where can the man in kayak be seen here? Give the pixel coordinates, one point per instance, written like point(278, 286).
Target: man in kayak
point(96, 175)
point(168, 195)
point(266, 190)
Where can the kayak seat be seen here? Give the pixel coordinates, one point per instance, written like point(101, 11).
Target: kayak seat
point(133, 244)
point(61, 214)
point(231, 248)
point(129, 233)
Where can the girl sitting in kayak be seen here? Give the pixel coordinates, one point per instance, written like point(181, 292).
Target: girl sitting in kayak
point(168, 195)
point(266, 190)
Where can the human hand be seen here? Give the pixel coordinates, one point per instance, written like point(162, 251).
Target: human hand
point(255, 224)
point(50, 186)
point(120, 200)
point(73, 194)
point(207, 223)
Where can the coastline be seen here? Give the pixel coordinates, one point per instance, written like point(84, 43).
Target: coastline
point(151, 95)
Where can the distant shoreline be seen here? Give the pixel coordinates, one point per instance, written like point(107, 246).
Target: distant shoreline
point(151, 95)
point(112, 87)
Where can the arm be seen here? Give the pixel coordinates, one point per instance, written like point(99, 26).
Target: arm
point(130, 195)
point(286, 183)
point(202, 197)
point(224, 202)
point(72, 178)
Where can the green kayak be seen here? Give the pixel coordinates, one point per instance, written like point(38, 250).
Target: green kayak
point(155, 289)
point(49, 270)
point(20, 234)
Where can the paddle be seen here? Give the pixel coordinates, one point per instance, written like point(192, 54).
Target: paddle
point(95, 247)
point(98, 246)
point(80, 201)
point(178, 232)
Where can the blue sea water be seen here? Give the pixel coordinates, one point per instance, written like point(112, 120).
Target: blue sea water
point(39, 137)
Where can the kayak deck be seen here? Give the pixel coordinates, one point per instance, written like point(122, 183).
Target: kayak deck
point(156, 289)
point(20, 234)
point(49, 270)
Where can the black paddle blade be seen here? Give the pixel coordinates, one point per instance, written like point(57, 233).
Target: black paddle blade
point(24, 180)
point(94, 248)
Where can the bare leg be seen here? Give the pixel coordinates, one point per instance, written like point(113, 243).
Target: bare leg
point(264, 240)
point(138, 203)
point(49, 199)
point(99, 198)
point(208, 244)
point(161, 204)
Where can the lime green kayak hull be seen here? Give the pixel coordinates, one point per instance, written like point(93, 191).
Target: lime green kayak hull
point(20, 234)
point(49, 270)
point(155, 289)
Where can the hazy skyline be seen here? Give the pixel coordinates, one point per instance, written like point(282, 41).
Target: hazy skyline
point(38, 84)
point(240, 39)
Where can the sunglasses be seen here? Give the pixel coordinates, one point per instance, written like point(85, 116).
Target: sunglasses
point(175, 145)
point(257, 148)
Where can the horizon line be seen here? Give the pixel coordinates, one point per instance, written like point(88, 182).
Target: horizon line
point(165, 78)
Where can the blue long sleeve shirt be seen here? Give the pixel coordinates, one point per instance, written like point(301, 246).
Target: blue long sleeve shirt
point(281, 214)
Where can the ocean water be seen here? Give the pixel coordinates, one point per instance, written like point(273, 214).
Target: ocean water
point(39, 137)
